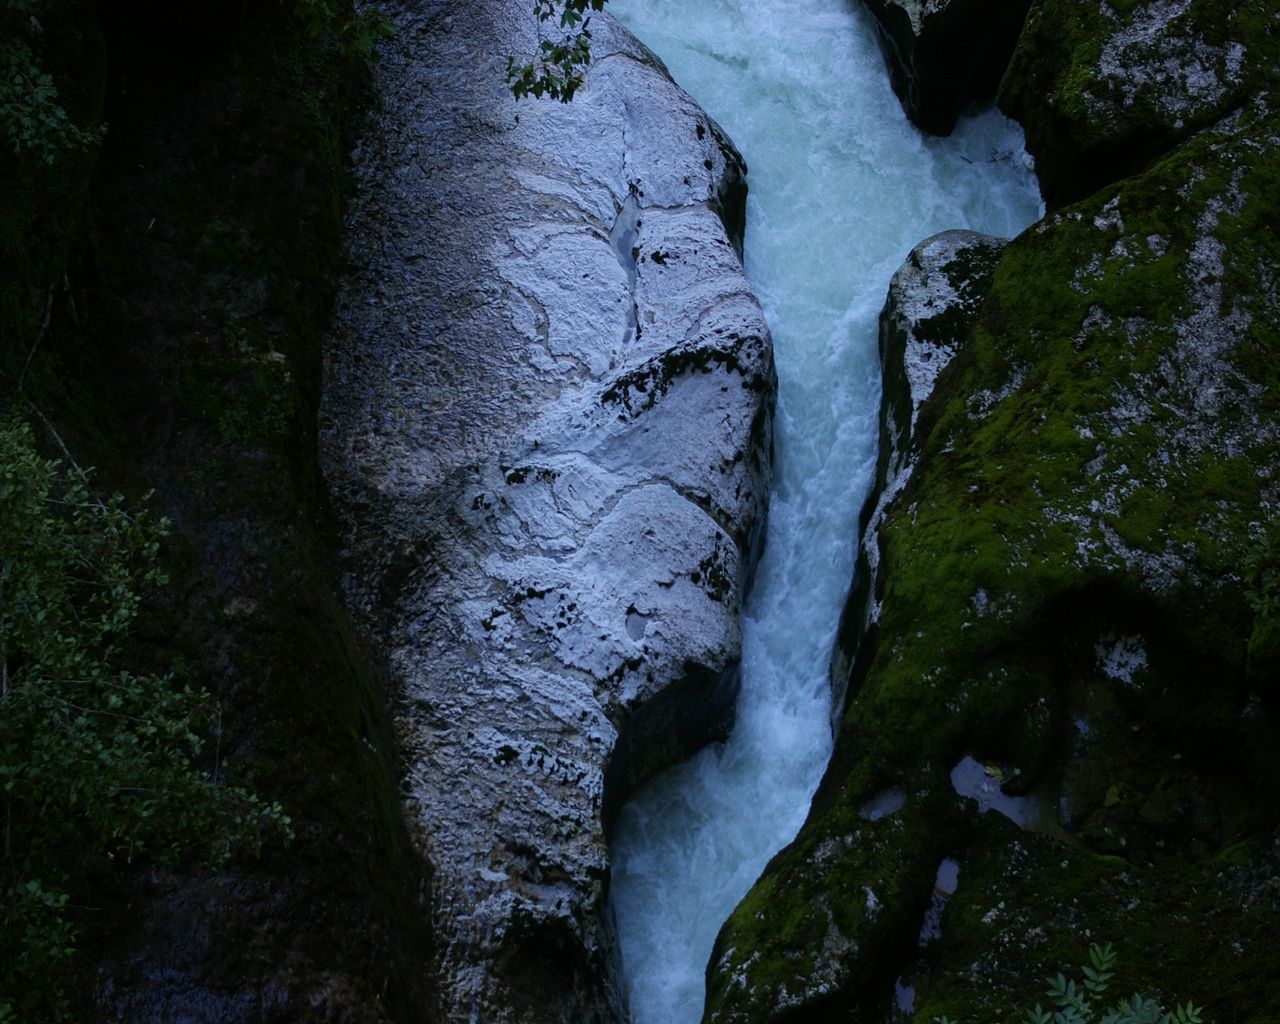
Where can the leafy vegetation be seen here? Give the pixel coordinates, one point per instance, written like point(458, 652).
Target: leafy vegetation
point(557, 70)
point(101, 765)
point(1075, 1003)
point(33, 121)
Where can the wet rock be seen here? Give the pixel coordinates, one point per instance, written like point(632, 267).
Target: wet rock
point(944, 55)
point(1102, 89)
point(933, 301)
point(546, 425)
point(1059, 596)
point(833, 945)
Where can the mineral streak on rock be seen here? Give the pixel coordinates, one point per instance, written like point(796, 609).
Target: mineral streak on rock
point(546, 425)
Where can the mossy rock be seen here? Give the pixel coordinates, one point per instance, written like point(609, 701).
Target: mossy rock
point(933, 303)
point(1103, 88)
point(1028, 907)
point(1063, 600)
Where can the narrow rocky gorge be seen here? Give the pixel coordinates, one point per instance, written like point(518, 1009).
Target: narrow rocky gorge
point(1063, 584)
point(546, 426)
point(463, 597)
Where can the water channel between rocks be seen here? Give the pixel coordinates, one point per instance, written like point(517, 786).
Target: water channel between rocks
point(842, 187)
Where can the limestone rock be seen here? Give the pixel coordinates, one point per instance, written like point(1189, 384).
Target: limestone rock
point(1063, 601)
point(546, 425)
point(946, 54)
point(1102, 89)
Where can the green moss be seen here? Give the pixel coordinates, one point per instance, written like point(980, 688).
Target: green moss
point(1088, 124)
point(788, 942)
point(1028, 907)
point(1075, 494)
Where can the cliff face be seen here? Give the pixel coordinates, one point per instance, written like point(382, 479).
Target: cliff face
point(546, 423)
point(1065, 673)
point(187, 271)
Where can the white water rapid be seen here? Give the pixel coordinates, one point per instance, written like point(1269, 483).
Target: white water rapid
point(841, 188)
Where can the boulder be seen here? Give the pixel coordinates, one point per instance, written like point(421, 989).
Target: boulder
point(1053, 679)
point(944, 55)
point(546, 425)
point(933, 301)
point(1102, 89)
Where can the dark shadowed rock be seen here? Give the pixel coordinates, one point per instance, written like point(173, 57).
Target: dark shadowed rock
point(184, 341)
point(944, 55)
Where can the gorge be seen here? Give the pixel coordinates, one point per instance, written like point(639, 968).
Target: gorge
point(841, 187)
point(465, 417)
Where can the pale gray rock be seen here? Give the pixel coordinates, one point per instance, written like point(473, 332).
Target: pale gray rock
point(546, 427)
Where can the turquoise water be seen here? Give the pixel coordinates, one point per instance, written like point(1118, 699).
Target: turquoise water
point(842, 187)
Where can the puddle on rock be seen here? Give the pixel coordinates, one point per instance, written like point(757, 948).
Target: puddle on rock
point(945, 884)
point(884, 804)
point(1035, 812)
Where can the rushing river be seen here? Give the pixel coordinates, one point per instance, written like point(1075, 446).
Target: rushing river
point(842, 186)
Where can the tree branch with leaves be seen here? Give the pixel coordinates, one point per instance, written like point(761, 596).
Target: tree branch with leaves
point(101, 764)
point(558, 68)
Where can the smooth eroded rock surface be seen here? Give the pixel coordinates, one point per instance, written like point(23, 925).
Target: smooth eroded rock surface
point(1072, 600)
point(546, 424)
point(944, 55)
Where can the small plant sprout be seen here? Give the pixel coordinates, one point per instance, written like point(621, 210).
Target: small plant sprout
point(1073, 1002)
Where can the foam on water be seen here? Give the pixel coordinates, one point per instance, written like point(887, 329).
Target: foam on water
point(842, 187)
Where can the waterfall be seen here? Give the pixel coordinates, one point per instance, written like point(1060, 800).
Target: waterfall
point(842, 186)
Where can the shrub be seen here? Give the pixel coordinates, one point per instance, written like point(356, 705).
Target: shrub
point(358, 32)
point(100, 764)
point(557, 70)
point(32, 120)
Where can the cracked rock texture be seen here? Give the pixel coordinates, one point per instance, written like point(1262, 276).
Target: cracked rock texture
point(546, 425)
point(944, 55)
point(1103, 88)
point(1071, 589)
